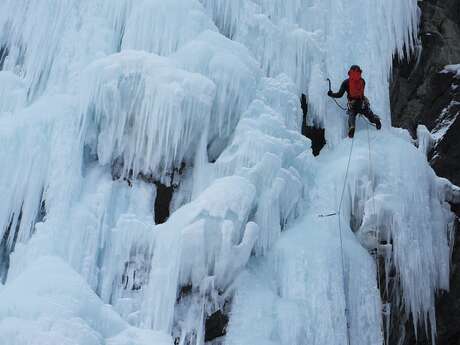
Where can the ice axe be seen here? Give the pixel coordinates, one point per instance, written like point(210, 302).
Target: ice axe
point(330, 89)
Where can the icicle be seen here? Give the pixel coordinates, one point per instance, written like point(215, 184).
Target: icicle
point(78, 106)
point(230, 66)
point(148, 113)
point(151, 27)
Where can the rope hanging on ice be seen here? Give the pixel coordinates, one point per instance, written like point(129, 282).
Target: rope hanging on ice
point(375, 253)
point(341, 240)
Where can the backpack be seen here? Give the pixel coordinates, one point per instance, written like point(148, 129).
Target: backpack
point(355, 85)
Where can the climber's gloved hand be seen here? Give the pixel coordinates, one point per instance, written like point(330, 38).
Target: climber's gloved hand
point(329, 93)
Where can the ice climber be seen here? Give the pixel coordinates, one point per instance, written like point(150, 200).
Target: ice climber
point(357, 102)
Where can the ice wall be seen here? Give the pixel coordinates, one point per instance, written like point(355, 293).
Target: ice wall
point(145, 112)
point(49, 303)
point(103, 101)
point(315, 40)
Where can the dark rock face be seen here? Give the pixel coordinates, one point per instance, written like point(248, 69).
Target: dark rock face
point(7, 245)
point(448, 304)
point(3, 55)
point(418, 90)
point(5, 249)
point(164, 189)
point(216, 325)
point(315, 134)
point(162, 202)
point(445, 157)
point(422, 93)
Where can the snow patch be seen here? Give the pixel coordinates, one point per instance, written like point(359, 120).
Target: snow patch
point(49, 303)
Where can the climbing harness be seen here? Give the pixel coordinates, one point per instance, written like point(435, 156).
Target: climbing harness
point(341, 106)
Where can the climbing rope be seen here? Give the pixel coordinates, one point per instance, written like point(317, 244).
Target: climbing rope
point(342, 260)
point(338, 213)
point(370, 172)
point(376, 252)
point(340, 106)
point(341, 239)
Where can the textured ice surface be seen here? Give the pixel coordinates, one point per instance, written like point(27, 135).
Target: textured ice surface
point(49, 303)
point(105, 103)
point(298, 287)
point(152, 27)
point(144, 112)
point(12, 92)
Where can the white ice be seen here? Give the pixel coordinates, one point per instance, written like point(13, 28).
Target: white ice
point(101, 101)
point(50, 303)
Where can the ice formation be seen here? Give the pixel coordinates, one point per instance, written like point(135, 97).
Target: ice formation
point(103, 102)
point(145, 113)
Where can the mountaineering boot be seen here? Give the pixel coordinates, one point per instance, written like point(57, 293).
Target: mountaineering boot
point(378, 124)
point(351, 132)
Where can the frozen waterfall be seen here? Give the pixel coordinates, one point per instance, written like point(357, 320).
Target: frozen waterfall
point(104, 103)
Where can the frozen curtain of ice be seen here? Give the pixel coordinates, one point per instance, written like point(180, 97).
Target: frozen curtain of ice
point(203, 96)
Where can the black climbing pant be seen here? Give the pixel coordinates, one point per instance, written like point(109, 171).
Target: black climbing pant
point(356, 107)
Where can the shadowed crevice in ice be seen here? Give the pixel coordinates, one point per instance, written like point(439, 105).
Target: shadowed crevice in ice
point(315, 134)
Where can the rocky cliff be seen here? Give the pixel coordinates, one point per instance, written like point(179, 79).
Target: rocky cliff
point(424, 91)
